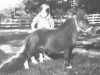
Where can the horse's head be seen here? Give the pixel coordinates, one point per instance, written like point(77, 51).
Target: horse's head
point(80, 18)
point(83, 23)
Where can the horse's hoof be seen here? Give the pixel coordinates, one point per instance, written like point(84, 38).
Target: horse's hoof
point(26, 68)
point(41, 58)
point(34, 60)
point(69, 67)
point(26, 65)
point(46, 57)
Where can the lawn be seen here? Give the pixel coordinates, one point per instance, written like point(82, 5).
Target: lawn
point(84, 63)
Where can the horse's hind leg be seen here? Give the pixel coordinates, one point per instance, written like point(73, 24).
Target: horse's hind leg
point(33, 57)
point(29, 58)
point(26, 65)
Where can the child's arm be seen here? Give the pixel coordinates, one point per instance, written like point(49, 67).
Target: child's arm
point(34, 23)
point(51, 23)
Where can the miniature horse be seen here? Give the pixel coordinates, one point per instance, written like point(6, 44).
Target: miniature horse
point(53, 41)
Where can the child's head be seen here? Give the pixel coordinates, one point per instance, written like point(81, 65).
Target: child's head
point(44, 10)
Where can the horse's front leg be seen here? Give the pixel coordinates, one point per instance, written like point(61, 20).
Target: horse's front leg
point(67, 57)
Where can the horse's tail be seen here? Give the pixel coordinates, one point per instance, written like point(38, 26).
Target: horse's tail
point(15, 62)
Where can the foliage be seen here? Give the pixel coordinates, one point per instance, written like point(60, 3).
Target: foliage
point(2, 17)
point(90, 6)
point(33, 5)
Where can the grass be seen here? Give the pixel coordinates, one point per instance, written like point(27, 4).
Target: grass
point(82, 64)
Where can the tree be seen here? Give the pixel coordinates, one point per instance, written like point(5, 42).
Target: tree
point(2, 17)
point(90, 6)
point(33, 5)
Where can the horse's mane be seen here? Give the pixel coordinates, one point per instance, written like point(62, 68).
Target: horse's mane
point(66, 23)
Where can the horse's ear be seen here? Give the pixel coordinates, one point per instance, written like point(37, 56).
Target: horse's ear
point(80, 13)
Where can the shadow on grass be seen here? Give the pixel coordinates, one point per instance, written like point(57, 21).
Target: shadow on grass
point(13, 66)
point(60, 55)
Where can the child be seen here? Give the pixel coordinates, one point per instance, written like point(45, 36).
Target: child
point(43, 19)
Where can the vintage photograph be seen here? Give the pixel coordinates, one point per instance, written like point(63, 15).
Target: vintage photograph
point(49, 37)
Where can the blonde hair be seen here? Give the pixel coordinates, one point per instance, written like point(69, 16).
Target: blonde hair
point(43, 7)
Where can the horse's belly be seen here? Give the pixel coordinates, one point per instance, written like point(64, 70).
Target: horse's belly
point(55, 46)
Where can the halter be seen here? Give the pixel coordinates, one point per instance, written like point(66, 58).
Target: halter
point(78, 28)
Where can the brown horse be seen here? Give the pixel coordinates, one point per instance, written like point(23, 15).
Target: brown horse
point(53, 41)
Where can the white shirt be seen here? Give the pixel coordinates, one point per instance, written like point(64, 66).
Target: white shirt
point(42, 22)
